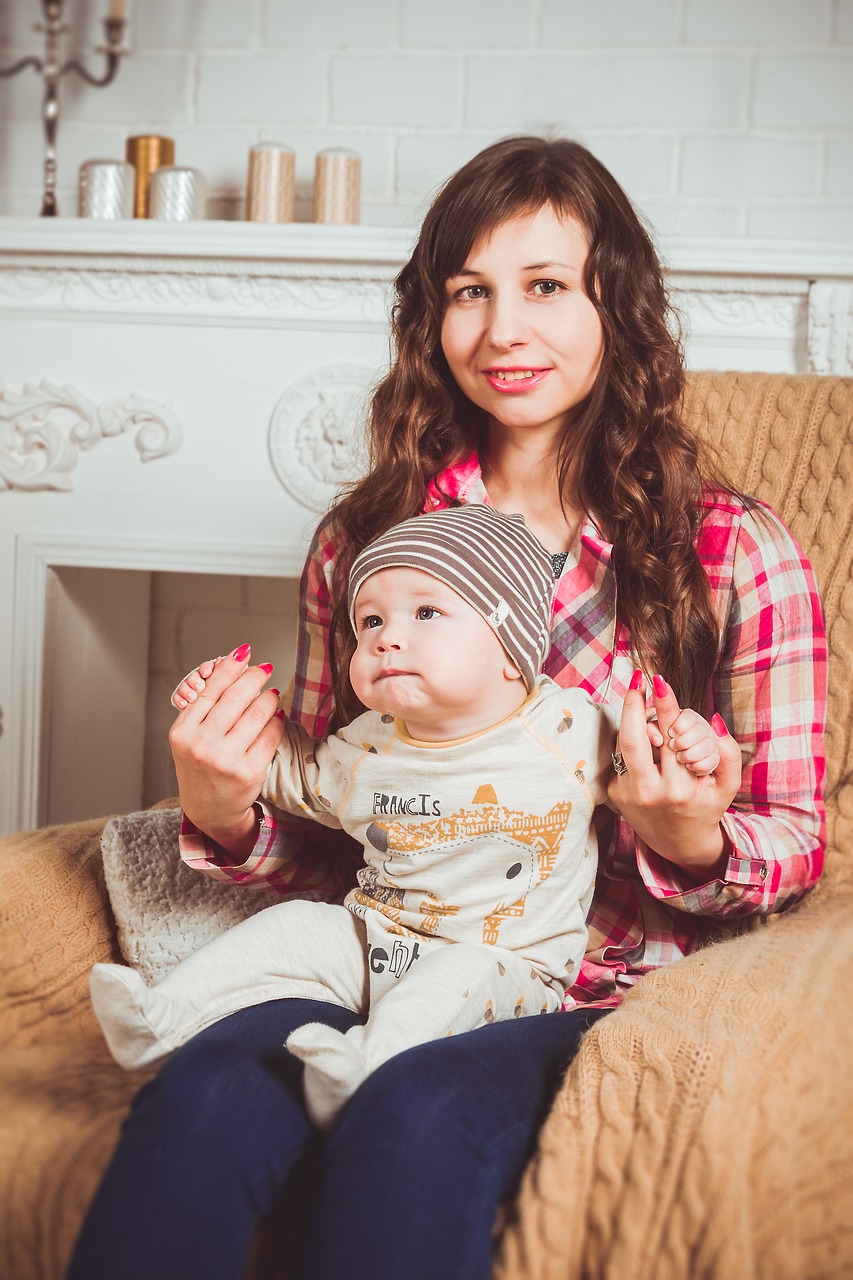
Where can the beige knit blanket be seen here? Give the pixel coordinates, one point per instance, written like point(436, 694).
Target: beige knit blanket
point(705, 1129)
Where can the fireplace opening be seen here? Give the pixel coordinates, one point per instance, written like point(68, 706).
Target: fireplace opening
point(117, 641)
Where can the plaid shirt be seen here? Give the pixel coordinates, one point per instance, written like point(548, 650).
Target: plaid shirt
point(769, 686)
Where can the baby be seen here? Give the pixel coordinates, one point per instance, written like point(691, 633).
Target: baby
point(470, 782)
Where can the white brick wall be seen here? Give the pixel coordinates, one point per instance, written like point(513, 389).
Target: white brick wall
point(721, 117)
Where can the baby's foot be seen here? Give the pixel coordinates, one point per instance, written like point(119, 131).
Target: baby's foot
point(334, 1069)
point(129, 1013)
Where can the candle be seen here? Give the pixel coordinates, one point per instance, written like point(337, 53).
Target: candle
point(147, 152)
point(337, 185)
point(270, 191)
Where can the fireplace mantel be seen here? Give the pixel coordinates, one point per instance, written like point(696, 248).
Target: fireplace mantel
point(186, 396)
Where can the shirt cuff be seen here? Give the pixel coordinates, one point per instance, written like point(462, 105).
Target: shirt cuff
point(744, 877)
point(198, 850)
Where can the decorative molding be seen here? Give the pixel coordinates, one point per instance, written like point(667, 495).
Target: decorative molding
point(710, 282)
point(729, 309)
point(45, 428)
point(316, 439)
point(830, 327)
point(207, 291)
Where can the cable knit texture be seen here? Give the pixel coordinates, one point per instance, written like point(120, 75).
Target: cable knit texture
point(706, 1128)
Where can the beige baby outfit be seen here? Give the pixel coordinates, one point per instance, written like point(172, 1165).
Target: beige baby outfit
point(480, 862)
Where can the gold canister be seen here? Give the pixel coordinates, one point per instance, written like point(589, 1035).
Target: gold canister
point(337, 186)
point(271, 188)
point(147, 152)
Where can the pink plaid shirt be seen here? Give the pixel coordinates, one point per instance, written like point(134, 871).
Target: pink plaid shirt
point(769, 687)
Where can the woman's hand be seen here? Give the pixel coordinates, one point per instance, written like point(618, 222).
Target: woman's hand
point(675, 803)
point(222, 744)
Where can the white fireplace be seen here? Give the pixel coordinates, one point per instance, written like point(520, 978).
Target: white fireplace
point(186, 398)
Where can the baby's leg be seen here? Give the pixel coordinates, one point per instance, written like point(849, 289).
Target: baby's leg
point(312, 950)
point(453, 987)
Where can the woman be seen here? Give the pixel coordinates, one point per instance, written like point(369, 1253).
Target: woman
point(534, 370)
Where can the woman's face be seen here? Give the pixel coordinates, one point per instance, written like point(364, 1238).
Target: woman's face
point(521, 337)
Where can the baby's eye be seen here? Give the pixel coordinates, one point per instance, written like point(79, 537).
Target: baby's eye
point(547, 288)
point(425, 612)
point(370, 621)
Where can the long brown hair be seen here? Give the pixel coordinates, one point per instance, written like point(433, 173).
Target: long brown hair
point(634, 465)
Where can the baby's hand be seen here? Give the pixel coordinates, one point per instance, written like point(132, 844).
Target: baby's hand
point(193, 684)
point(693, 741)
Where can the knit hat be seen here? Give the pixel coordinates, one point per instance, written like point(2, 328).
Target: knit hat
point(491, 560)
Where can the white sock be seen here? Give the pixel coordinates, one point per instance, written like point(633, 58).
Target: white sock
point(134, 1018)
point(334, 1069)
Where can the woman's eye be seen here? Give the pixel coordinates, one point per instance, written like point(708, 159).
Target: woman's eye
point(547, 288)
point(471, 293)
point(426, 612)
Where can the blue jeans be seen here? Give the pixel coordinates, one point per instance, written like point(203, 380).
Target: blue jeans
point(419, 1161)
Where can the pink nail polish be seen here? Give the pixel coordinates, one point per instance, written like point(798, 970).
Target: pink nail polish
point(718, 724)
point(279, 715)
point(277, 692)
point(242, 653)
point(638, 680)
point(660, 686)
point(266, 666)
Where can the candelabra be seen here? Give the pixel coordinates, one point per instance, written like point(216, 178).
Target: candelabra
point(52, 69)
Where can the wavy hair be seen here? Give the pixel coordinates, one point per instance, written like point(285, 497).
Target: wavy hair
point(632, 462)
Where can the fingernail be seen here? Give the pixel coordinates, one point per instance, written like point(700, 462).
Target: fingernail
point(637, 680)
point(719, 725)
point(241, 654)
point(279, 715)
point(660, 686)
point(266, 666)
point(277, 692)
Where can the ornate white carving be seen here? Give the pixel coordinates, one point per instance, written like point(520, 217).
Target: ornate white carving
point(316, 434)
point(728, 309)
point(202, 288)
point(830, 327)
point(44, 429)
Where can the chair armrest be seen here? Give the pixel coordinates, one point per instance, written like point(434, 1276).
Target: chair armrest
point(55, 922)
point(708, 1122)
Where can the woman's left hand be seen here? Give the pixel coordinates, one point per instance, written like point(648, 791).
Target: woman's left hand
point(675, 803)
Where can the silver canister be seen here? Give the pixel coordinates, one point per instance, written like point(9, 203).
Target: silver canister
point(337, 186)
point(105, 189)
point(271, 187)
point(177, 194)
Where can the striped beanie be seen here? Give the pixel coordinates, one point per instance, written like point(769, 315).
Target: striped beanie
point(491, 560)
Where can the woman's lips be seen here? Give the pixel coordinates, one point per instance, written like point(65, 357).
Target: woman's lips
point(515, 381)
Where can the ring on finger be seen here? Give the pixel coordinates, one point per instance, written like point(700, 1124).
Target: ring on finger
point(619, 764)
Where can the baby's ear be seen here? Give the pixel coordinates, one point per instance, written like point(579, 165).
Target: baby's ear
point(512, 672)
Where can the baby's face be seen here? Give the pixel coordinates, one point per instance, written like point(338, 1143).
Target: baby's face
point(426, 655)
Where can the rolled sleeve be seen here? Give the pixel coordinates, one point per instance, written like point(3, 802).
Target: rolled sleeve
point(770, 688)
point(291, 858)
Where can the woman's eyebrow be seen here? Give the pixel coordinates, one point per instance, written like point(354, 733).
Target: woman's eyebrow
point(532, 266)
point(545, 266)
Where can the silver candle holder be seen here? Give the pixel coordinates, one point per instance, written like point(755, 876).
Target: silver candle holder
point(52, 69)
